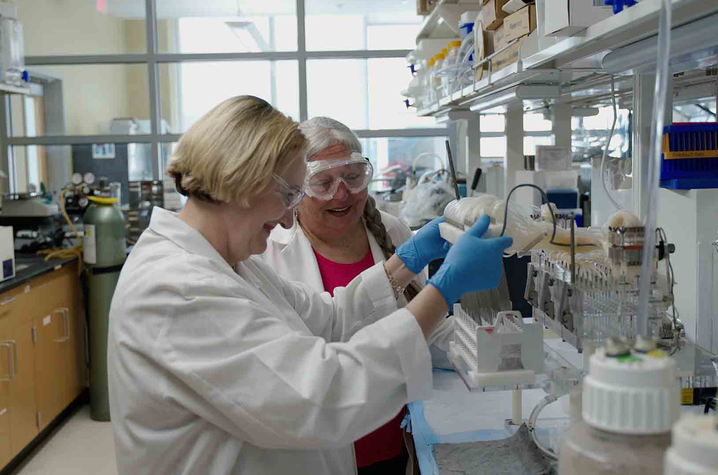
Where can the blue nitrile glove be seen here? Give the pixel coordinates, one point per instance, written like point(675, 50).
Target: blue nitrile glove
point(473, 264)
point(426, 246)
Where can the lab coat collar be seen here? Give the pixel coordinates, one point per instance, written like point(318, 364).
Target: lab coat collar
point(297, 252)
point(168, 224)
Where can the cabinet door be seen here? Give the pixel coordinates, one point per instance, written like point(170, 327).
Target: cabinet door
point(74, 350)
point(67, 331)
point(5, 375)
point(22, 410)
point(50, 331)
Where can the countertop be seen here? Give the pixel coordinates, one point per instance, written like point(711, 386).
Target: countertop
point(29, 267)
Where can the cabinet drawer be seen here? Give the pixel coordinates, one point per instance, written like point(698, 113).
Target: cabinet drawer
point(41, 295)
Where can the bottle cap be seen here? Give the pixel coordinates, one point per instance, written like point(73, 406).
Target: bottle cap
point(633, 393)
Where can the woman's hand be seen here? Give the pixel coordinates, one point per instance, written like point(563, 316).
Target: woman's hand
point(426, 246)
point(473, 263)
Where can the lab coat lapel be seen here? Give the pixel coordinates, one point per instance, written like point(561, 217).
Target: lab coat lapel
point(376, 251)
point(301, 261)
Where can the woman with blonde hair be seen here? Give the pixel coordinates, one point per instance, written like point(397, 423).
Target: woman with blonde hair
point(337, 236)
point(217, 365)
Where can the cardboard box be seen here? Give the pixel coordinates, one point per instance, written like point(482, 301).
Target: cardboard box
point(508, 57)
point(499, 38)
point(492, 15)
point(423, 7)
point(568, 17)
point(519, 24)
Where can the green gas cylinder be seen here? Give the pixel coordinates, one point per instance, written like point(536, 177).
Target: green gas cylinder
point(104, 255)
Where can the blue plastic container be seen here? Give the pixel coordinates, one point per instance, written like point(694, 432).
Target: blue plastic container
point(690, 156)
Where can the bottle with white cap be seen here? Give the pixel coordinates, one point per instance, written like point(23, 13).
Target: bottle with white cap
point(695, 446)
point(630, 401)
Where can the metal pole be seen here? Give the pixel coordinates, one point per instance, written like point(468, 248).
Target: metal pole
point(573, 250)
point(153, 81)
point(302, 60)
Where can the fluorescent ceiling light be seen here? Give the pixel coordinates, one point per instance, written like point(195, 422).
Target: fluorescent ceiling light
point(243, 28)
point(584, 111)
point(454, 115)
point(516, 96)
point(692, 46)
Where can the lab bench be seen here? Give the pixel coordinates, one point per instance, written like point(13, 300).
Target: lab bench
point(456, 415)
point(42, 349)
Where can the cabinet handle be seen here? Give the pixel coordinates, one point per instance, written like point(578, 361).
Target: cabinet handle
point(66, 313)
point(9, 362)
point(65, 323)
point(7, 301)
point(14, 355)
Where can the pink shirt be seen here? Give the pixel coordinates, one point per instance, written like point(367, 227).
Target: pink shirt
point(335, 274)
point(386, 442)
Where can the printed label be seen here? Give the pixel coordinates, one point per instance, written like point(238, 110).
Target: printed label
point(89, 244)
point(46, 321)
point(510, 358)
point(687, 396)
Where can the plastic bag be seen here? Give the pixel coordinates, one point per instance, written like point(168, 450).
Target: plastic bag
point(425, 202)
point(527, 233)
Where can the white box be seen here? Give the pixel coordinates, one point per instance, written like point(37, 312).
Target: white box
point(7, 253)
point(568, 17)
point(553, 158)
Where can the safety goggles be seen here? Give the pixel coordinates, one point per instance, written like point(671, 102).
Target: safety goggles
point(291, 195)
point(324, 176)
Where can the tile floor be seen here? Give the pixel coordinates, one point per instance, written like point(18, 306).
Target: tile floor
point(80, 446)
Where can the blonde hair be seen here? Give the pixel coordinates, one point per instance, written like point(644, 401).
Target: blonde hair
point(233, 150)
point(324, 132)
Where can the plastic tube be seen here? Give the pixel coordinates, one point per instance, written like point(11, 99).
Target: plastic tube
point(608, 142)
point(532, 425)
point(654, 164)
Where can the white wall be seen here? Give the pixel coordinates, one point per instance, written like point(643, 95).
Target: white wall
point(92, 94)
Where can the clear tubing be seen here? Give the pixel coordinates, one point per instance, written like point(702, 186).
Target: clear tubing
point(608, 142)
point(654, 165)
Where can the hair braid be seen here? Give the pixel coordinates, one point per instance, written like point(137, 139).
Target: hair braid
point(374, 224)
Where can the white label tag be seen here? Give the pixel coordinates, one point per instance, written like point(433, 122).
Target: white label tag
point(4, 411)
point(89, 244)
point(46, 321)
point(27, 288)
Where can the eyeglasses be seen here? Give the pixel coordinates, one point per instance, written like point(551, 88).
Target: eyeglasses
point(291, 195)
point(324, 176)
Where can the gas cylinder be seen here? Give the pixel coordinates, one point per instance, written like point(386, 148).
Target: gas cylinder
point(104, 254)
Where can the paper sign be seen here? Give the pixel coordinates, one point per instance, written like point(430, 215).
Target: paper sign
point(103, 150)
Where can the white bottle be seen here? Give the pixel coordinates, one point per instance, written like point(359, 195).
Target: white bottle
point(630, 402)
point(695, 446)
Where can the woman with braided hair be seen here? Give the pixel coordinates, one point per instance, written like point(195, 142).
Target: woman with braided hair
point(338, 233)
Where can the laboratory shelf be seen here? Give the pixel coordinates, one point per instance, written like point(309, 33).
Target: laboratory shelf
point(443, 22)
point(8, 88)
point(558, 378)
point(568, 60)
point(586, 49)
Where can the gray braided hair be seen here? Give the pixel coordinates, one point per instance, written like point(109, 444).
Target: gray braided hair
point(372, 219)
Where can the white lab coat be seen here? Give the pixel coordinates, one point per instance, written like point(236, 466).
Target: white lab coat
point(214, 371)
point(290, 254)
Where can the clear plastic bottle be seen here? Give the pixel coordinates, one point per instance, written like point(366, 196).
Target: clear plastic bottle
point(630, 402)
point(435, 79)
point(427, 84)
point(448, 79)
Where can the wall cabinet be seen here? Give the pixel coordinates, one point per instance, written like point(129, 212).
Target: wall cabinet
point(42, 355)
